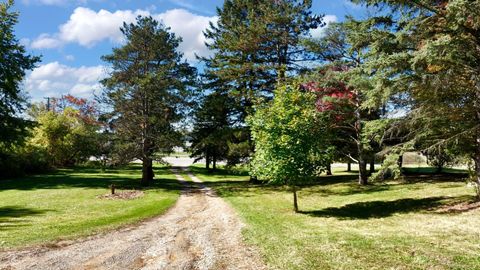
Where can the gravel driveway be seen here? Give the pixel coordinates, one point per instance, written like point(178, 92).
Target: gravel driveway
point(200, 232)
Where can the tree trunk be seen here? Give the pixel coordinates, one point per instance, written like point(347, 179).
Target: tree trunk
point(362, 164)
point(349, 166)
point(477, 142)
point(214, 162)
point(207, 160)
point(151, 174)
point(295, 203)
point(146, 172)
point(329, 169)
point(400, 161)
point(477, 168)
point(362, 171)
point(372, 166)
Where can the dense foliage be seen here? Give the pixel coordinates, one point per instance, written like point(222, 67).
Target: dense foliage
point(424, 57)
point(288, 139)
point(344, 78)
point(14, 62)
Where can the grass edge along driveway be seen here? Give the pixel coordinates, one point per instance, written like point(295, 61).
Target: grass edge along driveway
point(42, 209)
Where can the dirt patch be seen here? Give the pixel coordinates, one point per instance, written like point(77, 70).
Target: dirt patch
point(459, 207)
point(123, 195)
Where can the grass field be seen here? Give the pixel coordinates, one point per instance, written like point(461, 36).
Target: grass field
point(63, 205)
point(394, 225)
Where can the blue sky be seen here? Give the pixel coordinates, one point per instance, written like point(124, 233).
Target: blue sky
point(72, 35)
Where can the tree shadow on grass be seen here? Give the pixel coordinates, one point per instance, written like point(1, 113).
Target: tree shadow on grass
point(239, 188)
point(14, 216)
point(218, 172)
point(226, 187)
point(379, 209)
point(325, 180)
point(91, 178)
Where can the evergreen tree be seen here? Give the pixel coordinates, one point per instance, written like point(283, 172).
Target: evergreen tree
point(255, 43)
point(425, 57)
point(13, 62)
point(212, 129)
point(147, 90)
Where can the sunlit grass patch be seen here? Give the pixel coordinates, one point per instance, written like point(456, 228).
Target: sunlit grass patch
point(392, 225)
point(66, 204)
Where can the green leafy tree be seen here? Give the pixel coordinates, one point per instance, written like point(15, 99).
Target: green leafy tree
point(288, 139)
point(147, 91)
point(439, 158)
point(67, 138)
point(14, 61)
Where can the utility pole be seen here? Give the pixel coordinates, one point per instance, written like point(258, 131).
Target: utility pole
point(48, 103)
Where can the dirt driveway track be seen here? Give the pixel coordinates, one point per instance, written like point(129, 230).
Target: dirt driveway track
point(200, 232)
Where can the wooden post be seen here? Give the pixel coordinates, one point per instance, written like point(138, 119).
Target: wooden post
point(295, 203)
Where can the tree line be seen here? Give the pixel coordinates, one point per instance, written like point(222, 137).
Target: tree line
point(405, 78)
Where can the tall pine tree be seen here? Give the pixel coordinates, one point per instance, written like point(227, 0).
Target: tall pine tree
point(147, 90)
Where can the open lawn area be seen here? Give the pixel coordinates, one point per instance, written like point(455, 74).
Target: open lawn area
point(67, 204)
point(342, 225)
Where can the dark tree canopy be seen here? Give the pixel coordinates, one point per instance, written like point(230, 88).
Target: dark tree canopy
point(212, 129)
point(255, 43)
point(14, 61)
point(425, 58)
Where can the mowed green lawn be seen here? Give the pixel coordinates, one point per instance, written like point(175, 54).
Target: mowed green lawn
point(63, 205)
point(344, 226)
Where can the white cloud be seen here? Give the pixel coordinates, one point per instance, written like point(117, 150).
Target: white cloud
point(88, 27)
point(317, 33)
point(85, 90)
point(190, 27)
point(45, 41)
point(61, 79)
